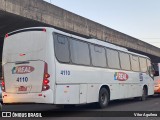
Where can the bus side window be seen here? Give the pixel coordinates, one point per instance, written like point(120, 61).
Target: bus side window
point(61, 48)
point(113, 59)
point(125, 61)
point(79, 52)
point(134, 62)
point(98, 56)
point(143, 64)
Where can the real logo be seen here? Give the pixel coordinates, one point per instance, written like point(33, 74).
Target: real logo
point(121, 76)
point(14, 70)
point(22, 69)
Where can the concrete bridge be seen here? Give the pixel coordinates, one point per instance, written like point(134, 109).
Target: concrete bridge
point(16, 14)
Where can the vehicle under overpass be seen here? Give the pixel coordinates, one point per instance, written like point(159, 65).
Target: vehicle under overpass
point(17, 14)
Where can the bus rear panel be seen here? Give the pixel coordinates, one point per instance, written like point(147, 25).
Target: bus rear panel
point(25, 70)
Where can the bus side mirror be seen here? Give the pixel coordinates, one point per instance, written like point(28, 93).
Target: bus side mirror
point(152, 72)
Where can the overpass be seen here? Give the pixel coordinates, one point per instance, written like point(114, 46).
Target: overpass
point(16, 14)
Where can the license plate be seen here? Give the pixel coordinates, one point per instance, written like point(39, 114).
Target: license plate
point(22, 88)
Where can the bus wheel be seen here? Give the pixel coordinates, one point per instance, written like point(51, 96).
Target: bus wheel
point(103, 98)
point(144, 94)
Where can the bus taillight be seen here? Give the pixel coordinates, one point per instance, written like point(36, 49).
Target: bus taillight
point(46, 75)
point(45, 81)
point(3, 86)
point(45, 85)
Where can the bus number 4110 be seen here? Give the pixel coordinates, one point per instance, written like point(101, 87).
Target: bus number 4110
point(22, 79)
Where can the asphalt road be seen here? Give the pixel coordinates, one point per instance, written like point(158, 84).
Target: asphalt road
point(151, 104)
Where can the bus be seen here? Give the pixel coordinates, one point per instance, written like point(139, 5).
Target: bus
point(46, 65)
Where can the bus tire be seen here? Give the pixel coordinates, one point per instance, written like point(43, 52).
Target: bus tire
point(103, 98)
point(144, 94)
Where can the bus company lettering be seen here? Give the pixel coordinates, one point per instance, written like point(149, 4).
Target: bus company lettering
point(121, 76)
point(22, 69)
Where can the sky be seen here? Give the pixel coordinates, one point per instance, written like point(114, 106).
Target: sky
point(137, 18)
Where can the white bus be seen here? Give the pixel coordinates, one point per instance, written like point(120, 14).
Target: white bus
point(45, 65)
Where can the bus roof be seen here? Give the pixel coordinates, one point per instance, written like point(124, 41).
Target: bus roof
point(94, 41)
